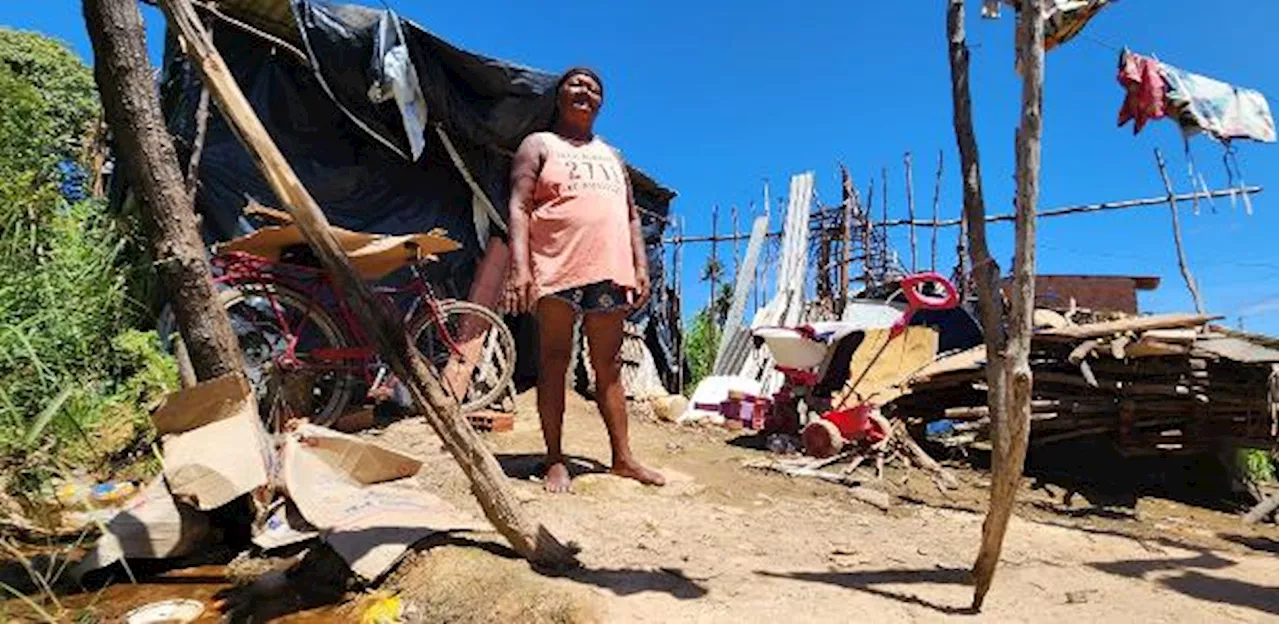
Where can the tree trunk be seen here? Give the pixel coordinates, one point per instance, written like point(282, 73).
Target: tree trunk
point(1008, 369)
point(132, 109)
point(488, 483)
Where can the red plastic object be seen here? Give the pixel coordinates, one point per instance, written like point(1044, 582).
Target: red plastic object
point(856, 424)
point(799, 377)
point(918, 300)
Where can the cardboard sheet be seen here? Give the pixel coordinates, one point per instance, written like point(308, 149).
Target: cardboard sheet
point(362, 460)
point(889, 370)
point(218, 449)
point(150, 526)
point(369, 524)
point(372, 255)
point(284, 526)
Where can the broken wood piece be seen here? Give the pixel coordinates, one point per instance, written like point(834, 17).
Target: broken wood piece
point(1147, 347)
point(872, 497)
point(827, 461)
point(1082, 351)
point(853, 465)
point(1261, 510)
point(1087, 372)
point(1117, 346)
point(919, 457)
point(875, 498)
point(1136, 324)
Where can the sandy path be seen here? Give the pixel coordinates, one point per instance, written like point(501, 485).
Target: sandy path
point(725, 544)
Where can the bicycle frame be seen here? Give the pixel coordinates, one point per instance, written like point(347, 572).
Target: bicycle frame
point(238, 269)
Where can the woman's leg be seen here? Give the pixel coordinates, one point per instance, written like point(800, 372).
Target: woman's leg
point(604, 337)
point(555, 350)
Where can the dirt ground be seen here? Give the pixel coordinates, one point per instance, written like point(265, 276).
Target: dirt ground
point(723, 543)
point(726, 543)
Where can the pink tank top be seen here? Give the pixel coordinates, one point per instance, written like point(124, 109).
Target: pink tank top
point(580, 227)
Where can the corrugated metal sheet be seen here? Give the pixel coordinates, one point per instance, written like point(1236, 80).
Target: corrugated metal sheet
point(1238, 350)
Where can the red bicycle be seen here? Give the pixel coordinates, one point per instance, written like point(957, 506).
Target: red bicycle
point(304, 350)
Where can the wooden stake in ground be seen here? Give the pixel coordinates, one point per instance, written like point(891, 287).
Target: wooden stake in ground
point(149, 160)
point(488, 483)
point(1177, 236)
point(846, 246)
point(1008, 370)
point(911, 208)
point(884, 218)
point(937, 198)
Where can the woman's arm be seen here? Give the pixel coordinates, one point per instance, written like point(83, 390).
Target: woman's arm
point(524, 176)
point(639, 253)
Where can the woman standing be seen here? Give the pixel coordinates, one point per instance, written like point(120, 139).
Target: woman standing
point(577, 250)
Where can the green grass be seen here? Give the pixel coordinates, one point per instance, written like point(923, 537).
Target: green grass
point(77, 374)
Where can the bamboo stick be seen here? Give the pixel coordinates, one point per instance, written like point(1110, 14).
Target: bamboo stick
point(1177, 236)
point(911, 208)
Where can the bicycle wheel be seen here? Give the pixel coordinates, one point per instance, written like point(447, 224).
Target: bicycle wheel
point(480, 370)
point(262, 340)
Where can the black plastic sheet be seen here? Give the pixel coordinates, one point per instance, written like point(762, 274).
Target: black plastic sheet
point(352, 154)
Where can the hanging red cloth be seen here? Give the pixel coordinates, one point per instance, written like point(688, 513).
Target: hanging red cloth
point(1144, 90)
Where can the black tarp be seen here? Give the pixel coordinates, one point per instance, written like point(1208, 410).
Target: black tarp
point(352, 152)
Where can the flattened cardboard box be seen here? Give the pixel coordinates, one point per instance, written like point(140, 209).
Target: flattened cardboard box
point(217, 448)
point(150, 526)
point(369, 523)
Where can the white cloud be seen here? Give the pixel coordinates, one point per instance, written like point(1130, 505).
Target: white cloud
point(1262, 306)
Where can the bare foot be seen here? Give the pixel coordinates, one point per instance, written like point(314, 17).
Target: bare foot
point(556, 481)
point(633, 470)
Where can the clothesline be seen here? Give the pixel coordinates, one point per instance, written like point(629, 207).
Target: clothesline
point(1118, 49)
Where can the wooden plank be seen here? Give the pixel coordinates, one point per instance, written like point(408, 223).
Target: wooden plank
point(386, 330)
point(1134, 324)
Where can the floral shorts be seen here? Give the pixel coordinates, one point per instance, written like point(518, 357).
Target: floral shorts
point(599, 297)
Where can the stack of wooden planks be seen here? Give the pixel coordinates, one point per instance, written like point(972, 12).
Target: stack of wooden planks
point(1151, 384)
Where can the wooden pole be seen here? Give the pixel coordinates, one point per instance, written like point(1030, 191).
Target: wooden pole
point(1177, 236)
point(1102, 207)
point(911, 208)
point(937, 198)
point(733, 211)
point(962, 258)
point(386, 329)
point(868, 234)
point(884, 218)
point(763, 280)
point(1011, 412)
point(985, 271)
point(846, 191)
point(677, 256)
point(149, 160)
point(713, 265)
point(755, 281)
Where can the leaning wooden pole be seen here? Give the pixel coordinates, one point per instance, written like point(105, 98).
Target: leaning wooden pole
point(149, 160)
point(1177, 236)
point(488, 482)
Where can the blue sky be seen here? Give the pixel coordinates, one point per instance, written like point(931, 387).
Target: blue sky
point(714, 97)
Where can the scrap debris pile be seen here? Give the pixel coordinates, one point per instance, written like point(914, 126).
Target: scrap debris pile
point(1150, 384)
point(306, 484)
